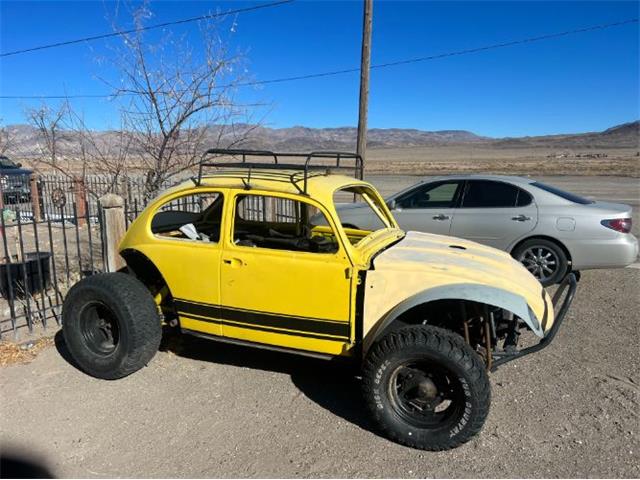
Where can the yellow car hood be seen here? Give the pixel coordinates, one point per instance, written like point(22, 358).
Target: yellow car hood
point(421, 262)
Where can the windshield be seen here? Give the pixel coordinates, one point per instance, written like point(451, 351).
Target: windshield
point(369, 217)
point(6, 163)
point(562, 194)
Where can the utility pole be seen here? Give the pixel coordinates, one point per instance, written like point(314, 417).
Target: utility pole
point(365, 62)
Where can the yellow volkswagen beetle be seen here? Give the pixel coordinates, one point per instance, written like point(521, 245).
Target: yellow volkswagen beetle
point(255, 253)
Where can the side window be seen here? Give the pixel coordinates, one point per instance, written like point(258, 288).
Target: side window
point(281, 224)
point(439, 195)
point(489, 194)
point(196, 217)
point(524, 198)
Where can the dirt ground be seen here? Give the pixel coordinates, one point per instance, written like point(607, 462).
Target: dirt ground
point(203, 409)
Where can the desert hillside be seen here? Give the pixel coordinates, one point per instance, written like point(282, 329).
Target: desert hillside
point(614, 151)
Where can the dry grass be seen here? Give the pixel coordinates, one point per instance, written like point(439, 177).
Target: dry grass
point(484, 158)
point(514, 161)
point(11, 353)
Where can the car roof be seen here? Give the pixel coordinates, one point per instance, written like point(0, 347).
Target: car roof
point(320, 183)
point(474, 176)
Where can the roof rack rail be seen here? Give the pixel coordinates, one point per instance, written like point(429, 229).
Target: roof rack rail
point(300, 168)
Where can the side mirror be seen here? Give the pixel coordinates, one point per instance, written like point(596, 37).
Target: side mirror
point(19, 165)
point(392, 204)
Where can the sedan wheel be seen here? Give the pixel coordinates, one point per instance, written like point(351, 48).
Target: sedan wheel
point(544, 259)
point(541, 262)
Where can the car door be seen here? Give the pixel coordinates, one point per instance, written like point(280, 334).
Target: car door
point(495, 213)
point(275, 288)
point(428, 207)
point(187, 250)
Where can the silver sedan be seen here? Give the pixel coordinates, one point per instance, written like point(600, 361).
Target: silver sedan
point(549, 230)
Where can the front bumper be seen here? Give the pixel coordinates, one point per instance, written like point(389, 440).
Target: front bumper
point(562, 300)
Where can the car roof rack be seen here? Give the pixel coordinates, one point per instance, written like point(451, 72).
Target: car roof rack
point(302, 171)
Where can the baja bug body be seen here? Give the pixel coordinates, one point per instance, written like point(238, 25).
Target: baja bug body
point(257, 254)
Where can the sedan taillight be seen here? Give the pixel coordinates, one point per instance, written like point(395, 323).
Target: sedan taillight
point(622, 225)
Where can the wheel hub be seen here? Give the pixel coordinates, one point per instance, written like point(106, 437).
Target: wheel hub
point(427, 389)
point(99, 328)
point(540, 261)
point(423, 395)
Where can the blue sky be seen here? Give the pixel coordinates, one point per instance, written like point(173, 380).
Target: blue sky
point(582, 82)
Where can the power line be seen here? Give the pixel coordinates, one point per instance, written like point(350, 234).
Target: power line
point(509, 44)
point(150, 27)
point(353, 70)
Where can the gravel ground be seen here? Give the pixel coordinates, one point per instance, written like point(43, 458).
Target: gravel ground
point(203, 409)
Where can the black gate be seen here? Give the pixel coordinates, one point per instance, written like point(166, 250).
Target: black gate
point(46, 245)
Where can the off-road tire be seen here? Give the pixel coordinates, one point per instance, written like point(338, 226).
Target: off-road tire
point(134, 318)
point(556, 250)
point(442, 349)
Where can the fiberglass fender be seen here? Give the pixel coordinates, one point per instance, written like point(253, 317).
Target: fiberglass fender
point(486, 294)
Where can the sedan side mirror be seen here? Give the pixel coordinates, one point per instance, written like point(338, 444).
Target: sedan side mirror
point(392, 204)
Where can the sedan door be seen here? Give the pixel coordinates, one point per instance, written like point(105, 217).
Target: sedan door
point(494, 213)
point(428, 207)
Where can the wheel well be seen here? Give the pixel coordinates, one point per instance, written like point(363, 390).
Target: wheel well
point(464, 317)
point(543, 237)
point(141, 267)
point(440, 313)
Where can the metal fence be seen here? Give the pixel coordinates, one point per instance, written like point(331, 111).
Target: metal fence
point(41, 259)
point(51, 237)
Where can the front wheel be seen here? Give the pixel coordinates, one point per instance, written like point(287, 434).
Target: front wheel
point(111, 325)
point(426, 388)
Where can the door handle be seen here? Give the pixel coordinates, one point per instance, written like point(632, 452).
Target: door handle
point(521, 218)
point(234, 262)
point(441, 216)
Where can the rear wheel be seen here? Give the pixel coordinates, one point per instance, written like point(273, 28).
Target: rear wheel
point(111, 325)
point(545, 260)
point(426, 388)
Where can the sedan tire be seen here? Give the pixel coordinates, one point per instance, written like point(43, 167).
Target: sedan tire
point(545, 260)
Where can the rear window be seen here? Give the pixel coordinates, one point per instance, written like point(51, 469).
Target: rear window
point(490, 194)
point(562, 194)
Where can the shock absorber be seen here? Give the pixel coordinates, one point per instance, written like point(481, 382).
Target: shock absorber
point(513, 333)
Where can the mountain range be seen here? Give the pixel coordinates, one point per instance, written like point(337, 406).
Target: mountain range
point(298, 138)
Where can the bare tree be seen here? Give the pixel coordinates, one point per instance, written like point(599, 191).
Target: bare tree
point(48, 123)
point(7, 139)
point(102, 153)
point(172, 96)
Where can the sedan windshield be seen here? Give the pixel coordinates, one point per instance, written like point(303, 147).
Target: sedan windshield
point(562, 194)
point(6, 163)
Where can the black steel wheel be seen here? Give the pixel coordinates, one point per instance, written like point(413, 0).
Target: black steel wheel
point(425, 393)
point(426, 388)
point(111, 325)
point(544, 259)
point(100, 328)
